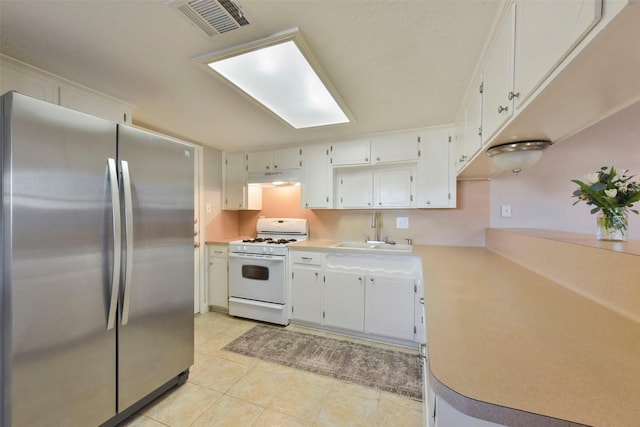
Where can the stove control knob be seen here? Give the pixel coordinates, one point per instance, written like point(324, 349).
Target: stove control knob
point(271, 250)
point(265, 250)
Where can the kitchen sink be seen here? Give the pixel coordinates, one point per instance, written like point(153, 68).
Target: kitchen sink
point(374, 246)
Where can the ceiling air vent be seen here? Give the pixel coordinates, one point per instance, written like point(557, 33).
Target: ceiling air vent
point(212, 16)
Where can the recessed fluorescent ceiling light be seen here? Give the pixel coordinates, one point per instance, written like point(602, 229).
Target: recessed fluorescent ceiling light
point(276, 73)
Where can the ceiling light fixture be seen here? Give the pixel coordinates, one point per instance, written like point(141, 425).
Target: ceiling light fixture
point(280, 73)
point(517, 156)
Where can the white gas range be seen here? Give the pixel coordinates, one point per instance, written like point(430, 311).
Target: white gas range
point(258, 270)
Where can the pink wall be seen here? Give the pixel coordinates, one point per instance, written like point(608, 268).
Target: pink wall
point(541, 197)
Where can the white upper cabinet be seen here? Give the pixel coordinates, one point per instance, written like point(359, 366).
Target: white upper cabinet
point(403, 147)
point(234, 181)
point(468, 134)
point(382, 187)
point(26, 82)
point(94, 104)
point(259, 161)
point(497, 81)
point(318, 177)
point(39, 84)
point(281, 159)
point(236, 194)
point(393, 187)
point(355, 152)
point(436, 184)
point(287, 158)
point(546, 32)
point(355, 189)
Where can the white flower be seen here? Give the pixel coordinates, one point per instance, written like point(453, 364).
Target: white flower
point(591, 178)
point(611, 193)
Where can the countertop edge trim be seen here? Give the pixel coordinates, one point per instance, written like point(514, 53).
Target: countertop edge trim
point(493, 412)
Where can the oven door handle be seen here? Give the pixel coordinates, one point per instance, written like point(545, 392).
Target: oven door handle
point(280, 258)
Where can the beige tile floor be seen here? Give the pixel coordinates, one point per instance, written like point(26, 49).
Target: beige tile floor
point(227, 389)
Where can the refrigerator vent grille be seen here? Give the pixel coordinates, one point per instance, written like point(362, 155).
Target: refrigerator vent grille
point(213, 16)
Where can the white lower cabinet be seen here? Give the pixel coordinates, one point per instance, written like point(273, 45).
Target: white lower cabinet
point(369, 295)
point(306, 285)
point(389, 306)
point(343, 300)
point(218, 275)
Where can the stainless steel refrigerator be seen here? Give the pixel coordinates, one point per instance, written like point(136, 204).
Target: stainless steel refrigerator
point(97, 266)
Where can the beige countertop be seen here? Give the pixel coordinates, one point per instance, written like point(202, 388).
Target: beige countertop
point(509, 345)
point(504, 335)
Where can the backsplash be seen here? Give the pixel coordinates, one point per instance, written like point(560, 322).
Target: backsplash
point(463, 226)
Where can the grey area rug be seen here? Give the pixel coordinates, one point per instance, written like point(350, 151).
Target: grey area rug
point(383, 369)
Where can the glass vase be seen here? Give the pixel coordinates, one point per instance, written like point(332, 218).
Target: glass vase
point(612, 225)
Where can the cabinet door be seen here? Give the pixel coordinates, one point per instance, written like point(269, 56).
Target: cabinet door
point(306, 289)
point(94, 104)
point(317, 184)
point(498, 79)
point(287, 158)
point(356, 152)
point(26, 82)
point(389, 307)
point(435, 177)
point(343, 300)
point(355, 189)
point(234, 184)
point(393, 187)
point(218, 276)
point(538, 53)
point(395, 148)
point(472, 134)
point(259, 161)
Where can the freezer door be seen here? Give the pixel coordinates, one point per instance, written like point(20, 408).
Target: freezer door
point(155, 336)
point(59, 359)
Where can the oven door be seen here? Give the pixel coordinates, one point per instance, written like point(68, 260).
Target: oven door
point(257, 277)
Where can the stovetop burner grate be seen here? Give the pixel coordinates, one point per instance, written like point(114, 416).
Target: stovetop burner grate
point(269, 240)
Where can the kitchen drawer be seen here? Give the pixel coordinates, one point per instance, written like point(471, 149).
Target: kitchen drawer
point(311, 258)
point(218, 251)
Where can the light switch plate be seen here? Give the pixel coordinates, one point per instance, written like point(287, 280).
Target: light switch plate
point(402, 222)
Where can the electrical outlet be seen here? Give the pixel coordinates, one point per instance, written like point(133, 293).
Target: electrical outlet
point(402, 223)
point(505, 211)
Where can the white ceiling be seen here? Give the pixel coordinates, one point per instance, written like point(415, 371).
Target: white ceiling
point(396, 64)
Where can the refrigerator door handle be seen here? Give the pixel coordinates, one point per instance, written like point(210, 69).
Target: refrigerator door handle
point(128, 231)
point(117, 244)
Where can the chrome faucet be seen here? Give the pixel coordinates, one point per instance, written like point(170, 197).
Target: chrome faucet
point(375, 223)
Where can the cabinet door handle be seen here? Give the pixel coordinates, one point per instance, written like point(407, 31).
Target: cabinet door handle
point(501, 109)
point(306, 258)
point(513, 95)
point(372, 280)
point(366, 159)
point(377, 159)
